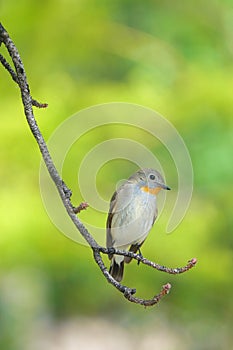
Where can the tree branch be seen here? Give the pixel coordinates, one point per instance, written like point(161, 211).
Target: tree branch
point(82, 206)
point(172, 271)
point(19, 76)
point(7, 66)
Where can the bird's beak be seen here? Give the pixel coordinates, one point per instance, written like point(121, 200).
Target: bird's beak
point(165, 187)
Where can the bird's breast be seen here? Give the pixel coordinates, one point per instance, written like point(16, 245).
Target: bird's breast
point(133, 223)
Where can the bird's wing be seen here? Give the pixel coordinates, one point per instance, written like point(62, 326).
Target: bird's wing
point(120, 199)
point(155, 216)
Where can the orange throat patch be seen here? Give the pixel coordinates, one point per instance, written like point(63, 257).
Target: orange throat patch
point(153, 191)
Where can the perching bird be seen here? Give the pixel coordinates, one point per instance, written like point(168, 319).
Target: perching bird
point(132, 213)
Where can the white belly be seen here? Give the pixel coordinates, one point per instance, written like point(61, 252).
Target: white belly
point(132, 224)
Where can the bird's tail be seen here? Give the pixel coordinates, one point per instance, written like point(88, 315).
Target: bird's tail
point(117, 269)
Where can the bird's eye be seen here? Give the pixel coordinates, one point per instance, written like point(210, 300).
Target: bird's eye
point(152, 177)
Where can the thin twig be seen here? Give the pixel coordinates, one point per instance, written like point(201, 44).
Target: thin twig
point(19, 76)
point(150, 302)
point(172, 271)
point(7, 66)
point(129, 292)
point(82, 206)
point(13, 75)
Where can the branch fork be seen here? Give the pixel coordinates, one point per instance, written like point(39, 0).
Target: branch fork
point(19, 77)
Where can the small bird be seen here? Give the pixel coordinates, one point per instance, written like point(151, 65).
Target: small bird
point(132, 213)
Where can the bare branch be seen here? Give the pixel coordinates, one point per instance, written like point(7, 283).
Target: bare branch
point(7, 66)
point(128, 292)
point(172, 271)
point(150, 302)
point(39, 104)
point(82, 206)
point(13, 75)
point(19, 76)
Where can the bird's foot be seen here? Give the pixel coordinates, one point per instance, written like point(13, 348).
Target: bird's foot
point(140, 254)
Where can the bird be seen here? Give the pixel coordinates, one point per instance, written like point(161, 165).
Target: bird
point(132, 213)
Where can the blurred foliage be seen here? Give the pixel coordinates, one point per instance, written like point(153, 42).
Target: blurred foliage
point(174, 57)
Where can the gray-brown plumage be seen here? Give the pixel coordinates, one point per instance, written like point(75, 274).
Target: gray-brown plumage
point(131, 216)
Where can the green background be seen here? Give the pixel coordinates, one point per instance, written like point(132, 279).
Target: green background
point(173, 57)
